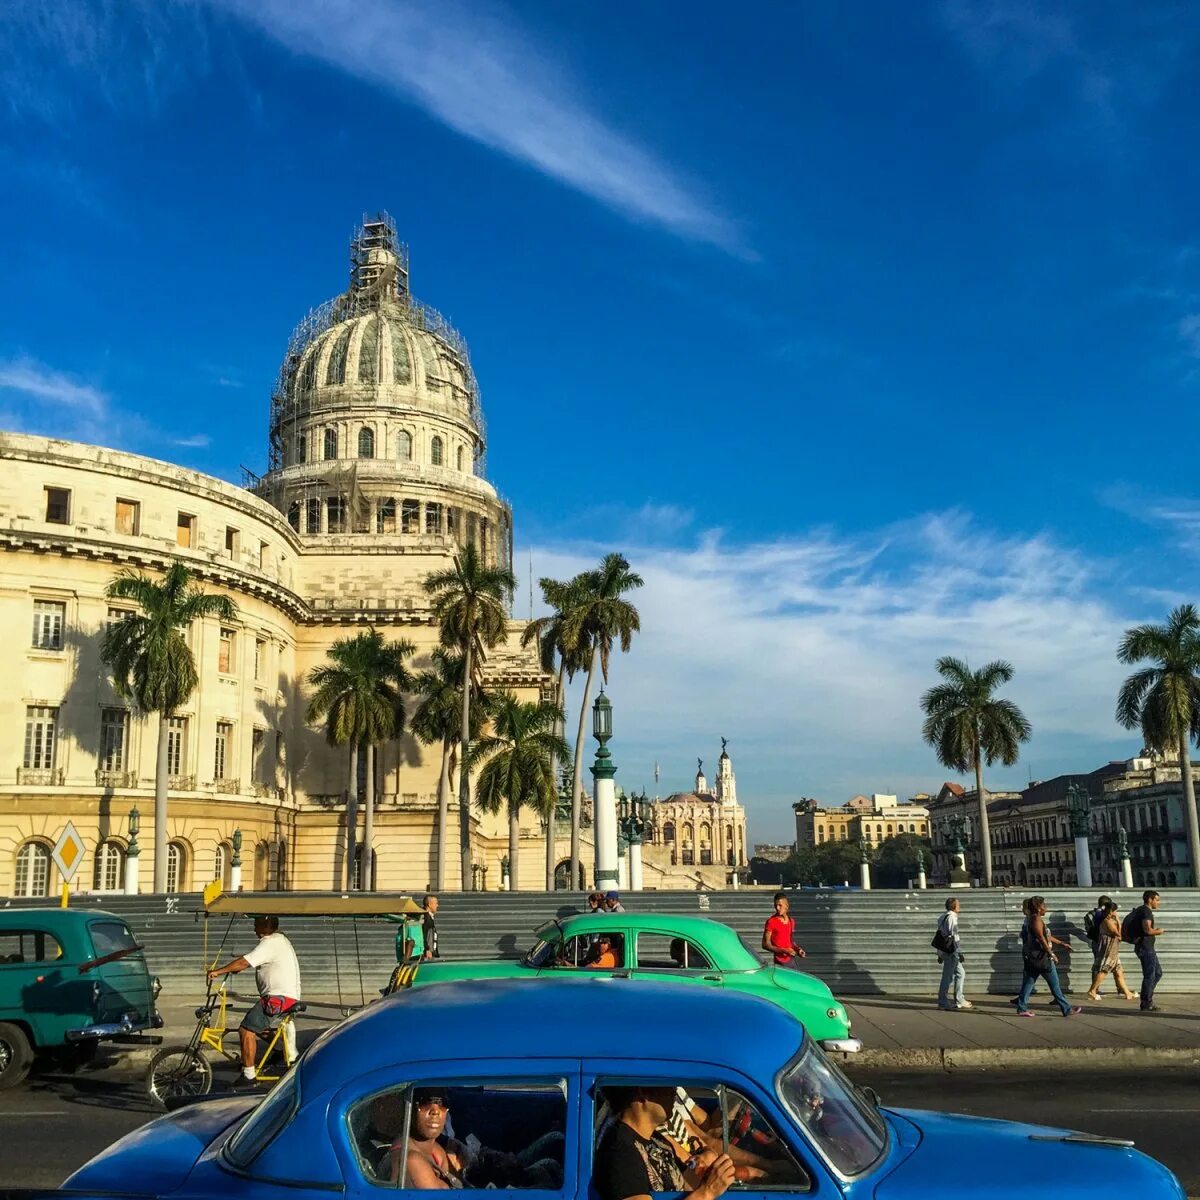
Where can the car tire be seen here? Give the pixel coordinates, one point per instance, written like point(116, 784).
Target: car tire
point(16, 1055)
point(176, 1072)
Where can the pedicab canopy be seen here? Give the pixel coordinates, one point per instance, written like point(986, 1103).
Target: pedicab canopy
point(305, 904)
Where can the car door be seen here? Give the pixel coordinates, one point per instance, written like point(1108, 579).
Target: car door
point(664, 954)
point(35, 990)
point(517, 1121)
point(745, 1121)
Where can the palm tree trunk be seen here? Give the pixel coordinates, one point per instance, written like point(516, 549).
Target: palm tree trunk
point(577, 785)
point(464, 774)
point(160, 806)
point(1189, 804)
point(514, 843)
point(443, 818)
point(366, 878)
point(985, 831)
point(551, 858)
point(352, 817)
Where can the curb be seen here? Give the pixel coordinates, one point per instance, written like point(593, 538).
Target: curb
point(1023, 1058)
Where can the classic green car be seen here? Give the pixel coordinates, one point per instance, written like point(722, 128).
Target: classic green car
point(659, 946)
point(69, 979)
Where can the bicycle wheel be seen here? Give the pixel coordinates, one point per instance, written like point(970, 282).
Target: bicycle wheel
point(177, 1071)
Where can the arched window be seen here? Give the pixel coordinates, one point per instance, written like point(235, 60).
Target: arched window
point(460, 458)
point(366, 443)
point(219, 861)
point(176, 867)
point(33, 870)
point(110, 864)
point(262, 862)
point(436, 451)
point(331, 443)
point(294, 515)
point(669, 831)
point(404, 446)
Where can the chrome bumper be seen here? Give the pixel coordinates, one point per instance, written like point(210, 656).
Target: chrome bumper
point(125, 1025)
point(842, 1045)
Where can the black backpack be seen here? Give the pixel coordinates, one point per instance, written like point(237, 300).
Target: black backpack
point(1131, 927)
point(1091, 927)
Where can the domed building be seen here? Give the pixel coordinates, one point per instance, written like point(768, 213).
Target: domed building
point(375, 480)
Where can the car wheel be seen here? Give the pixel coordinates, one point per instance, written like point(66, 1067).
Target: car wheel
point(176, 1072)
point(16, 1055)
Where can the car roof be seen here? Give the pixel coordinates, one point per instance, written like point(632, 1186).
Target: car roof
point(55, 915)
point(712, 931)
point(530, 1018)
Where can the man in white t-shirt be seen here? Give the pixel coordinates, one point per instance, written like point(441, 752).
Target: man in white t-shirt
point(277, 974)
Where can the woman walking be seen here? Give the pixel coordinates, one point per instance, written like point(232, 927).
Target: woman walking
point(1040, 960)
point(1108, 955)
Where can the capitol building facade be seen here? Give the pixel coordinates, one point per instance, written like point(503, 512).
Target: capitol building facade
point(376, 477)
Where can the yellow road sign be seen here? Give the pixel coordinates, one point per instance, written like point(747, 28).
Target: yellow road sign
point(68, 852)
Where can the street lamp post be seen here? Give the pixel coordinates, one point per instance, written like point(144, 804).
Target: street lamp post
point(1079, 807)
point(133, 854)
point(1123, 851)
point(920, 868)
point(604, 806)
point(634, 817)
point(235, 863)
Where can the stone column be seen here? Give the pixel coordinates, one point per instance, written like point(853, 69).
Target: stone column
point(373, 519)
point(604, 829)
point(635, 865)
point(133, 858)
point(1126, 865)
point(324, 514)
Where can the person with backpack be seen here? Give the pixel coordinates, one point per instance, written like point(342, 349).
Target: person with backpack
point(1139, 929)
point(1092, 922)
point(954, 975)
point(1040, 961)
point(1108, 952)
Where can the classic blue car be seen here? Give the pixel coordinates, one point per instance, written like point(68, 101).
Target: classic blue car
point(513, 1084)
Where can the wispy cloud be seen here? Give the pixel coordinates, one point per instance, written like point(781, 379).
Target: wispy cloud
point(810, 654)
point(195, 441)
point(31, 380)
point(473, 69)
point(1177, 516)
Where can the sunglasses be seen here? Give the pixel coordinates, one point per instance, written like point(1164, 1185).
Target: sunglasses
point(433, 1102)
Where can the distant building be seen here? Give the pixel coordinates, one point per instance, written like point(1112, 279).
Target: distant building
point(773, 853)
point(872, 820)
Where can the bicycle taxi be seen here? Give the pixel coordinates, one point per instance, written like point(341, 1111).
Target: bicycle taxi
point(179, 1072)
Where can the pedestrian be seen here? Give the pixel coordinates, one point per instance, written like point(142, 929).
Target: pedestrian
point(1040, 961)
point(429, 927)
point(1108, 952)
point(612, 902)
point(1139, 927)
point(595, 902)
point(949, 948)
point(779, 934)
point(277, 974)
point(1092, 922)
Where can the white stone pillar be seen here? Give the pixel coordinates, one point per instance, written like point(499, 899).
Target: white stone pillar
point(1126, 872)
point(921, 879)
point(132, 862)
point(635, 867)
point(604, 803)
point(864, 871)
point(235, 878)
point(505, 879)
point(623, 871)
point(1083, 863)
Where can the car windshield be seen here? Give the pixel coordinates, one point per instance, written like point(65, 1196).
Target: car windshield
point(262, 1125)
point(545, 950)
point(849, 1131)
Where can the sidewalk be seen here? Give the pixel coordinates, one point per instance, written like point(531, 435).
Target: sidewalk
point(911, 1032)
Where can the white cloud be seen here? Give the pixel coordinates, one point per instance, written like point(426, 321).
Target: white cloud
point(471, 68)
point(811, 653)
point(35, 381)
point(196, 440)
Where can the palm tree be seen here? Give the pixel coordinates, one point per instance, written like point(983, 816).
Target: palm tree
point(1165, 699)
point(469, 605)
point(438, 721)
point(358, 696)
point(520, 755)
point(967, 725)
point(152, 664)
point(598, 616)
point(561, 658)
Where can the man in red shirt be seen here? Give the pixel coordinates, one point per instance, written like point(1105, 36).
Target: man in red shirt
point(779, 934)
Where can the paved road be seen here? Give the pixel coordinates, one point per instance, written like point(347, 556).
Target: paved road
point(1156, 1109)
point(55, 1123)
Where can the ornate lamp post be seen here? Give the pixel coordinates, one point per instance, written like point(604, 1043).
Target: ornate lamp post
point(505, 879)
point(920, 868)
point(1079, 807)
point(1123, 852)
point(235, 863)
point(604, 807)
point(864, 865)
point(133, 854)
point(634, 814)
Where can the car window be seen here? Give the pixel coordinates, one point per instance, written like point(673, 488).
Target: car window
point(427, 1134)
point(668, 952)
point(264, 1123)
point(846, 1129)
point(588, 950)
point(19, 946)
point(697, 1121)
point(109, 937)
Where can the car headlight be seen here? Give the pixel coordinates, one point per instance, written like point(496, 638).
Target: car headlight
point(156, 986)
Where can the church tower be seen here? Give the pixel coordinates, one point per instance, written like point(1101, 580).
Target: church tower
point(701, 785)
point(726, 784)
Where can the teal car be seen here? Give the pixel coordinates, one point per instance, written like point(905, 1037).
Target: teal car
point(657, 946)
point(69, 979)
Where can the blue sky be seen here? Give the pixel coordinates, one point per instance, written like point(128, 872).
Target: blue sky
point(869, 333)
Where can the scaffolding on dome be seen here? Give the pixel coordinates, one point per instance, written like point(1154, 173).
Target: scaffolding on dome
point(378, 276)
